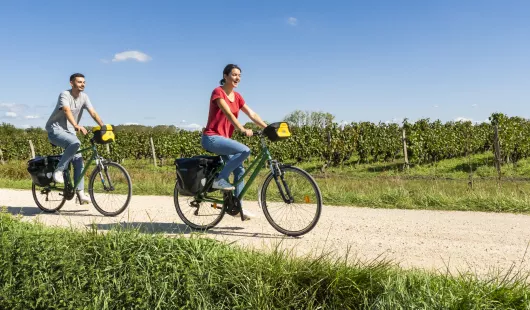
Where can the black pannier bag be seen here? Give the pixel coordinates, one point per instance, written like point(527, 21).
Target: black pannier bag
point(41, 169)
point(192, 173)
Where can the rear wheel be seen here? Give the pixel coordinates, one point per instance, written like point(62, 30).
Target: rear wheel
point(48, 199)
point(112, 192)
point(197, 215)
point(291, 201)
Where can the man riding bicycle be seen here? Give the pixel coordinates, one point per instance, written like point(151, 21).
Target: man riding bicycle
point(62, 126)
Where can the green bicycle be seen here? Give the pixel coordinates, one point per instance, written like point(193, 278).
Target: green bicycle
point(109, 187)
point(289, 197)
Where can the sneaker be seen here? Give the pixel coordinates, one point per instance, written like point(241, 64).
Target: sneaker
point(223, 185)
point(82, 198)
point(58, 176)
point(247, 215)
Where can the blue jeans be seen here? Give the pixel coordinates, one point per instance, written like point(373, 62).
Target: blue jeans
point(70, 143)
point(233, 154)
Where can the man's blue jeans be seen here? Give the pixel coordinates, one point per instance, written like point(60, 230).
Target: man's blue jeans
point(70, 143)
point(233, 154)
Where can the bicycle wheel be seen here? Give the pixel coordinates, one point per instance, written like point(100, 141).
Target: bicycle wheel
point(197, 215)
point(48, 199)
point(112, 193)
point(292, 203)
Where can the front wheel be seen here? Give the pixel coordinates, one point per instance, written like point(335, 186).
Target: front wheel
point(48, 199)
point(112, 191)
point(291, 200)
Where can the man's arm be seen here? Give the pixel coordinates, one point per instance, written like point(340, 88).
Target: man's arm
point(95, 116)
point(70, 118)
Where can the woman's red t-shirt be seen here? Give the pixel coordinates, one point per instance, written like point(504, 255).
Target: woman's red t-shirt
point(218, 123)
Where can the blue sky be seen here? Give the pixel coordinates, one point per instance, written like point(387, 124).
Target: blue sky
point(359, 60)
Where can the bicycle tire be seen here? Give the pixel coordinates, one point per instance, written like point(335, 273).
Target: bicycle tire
point(188, 221)
point(43, 208)
point(264, 204)
point(91, 189)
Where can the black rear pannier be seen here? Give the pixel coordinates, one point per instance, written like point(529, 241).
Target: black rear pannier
point(192, 173)
point(41, 169)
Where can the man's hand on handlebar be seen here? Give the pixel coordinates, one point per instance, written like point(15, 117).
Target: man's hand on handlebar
point(81, 128)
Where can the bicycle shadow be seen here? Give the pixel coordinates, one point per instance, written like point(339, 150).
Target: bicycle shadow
point(182, 229)
point(34, 211)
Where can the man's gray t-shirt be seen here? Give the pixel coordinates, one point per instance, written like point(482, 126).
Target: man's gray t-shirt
point(76, 105)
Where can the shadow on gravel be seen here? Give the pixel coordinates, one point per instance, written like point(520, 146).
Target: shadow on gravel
point(33, 211)
point(25, 211)
point(177, 228)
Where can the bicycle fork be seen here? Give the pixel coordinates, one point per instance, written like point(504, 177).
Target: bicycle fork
point(103, 168)
point(285, 192)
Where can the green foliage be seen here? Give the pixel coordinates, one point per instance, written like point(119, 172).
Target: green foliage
point(51, 268)
point(427, 141)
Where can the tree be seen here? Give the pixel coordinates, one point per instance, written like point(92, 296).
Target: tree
point(300, 118)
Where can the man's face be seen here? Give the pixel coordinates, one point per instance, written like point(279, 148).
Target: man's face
point(78, 84)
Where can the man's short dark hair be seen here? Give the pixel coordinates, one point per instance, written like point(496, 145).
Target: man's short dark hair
point(75, 75)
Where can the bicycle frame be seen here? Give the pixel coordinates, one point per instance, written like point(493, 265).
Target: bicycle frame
point(254, 167)
point(93, 157)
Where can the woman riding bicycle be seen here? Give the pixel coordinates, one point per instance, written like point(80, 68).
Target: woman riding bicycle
point(225, 104)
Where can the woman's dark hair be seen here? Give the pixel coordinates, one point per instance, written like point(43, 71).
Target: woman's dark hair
point(227, 71)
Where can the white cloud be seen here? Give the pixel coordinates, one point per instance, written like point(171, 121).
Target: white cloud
point(435, 106)
point(131, 124)
point(292, 21)
point(474, 105)
point(190, 127)
point(26, 126)
point(11, 114)
point(13, 107)
point(134, 55)
point(31, 117)
point(463, 119)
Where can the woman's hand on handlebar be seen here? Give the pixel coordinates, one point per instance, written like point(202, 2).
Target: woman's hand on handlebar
point(247, 132)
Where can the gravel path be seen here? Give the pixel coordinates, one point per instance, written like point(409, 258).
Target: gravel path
point(434, 240)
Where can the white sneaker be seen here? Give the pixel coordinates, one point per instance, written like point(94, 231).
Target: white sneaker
point(223, 185)
point(247, 215)
point(58, 176)
point(82, 198)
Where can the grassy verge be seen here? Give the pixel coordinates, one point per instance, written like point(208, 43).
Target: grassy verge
point(441, 186)
point(47, 268)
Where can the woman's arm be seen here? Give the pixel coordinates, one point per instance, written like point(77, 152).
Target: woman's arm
point(253, 116)
point(231, 117)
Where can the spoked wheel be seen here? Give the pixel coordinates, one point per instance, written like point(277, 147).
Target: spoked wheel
point(197, 215)
point(292, 202)
point(110, 189)
point(48, 199)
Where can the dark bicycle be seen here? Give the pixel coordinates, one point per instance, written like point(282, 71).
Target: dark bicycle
point(289, 196)
point(109, 187)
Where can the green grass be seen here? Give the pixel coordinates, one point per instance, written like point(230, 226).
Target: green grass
point(53, 268)
point(441, 186)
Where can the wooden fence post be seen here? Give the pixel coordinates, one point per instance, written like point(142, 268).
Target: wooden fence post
point(153, 149)
point(1, 157)
point(497, 147)
point(405, 154)
point(32, 149)
point(108, 148)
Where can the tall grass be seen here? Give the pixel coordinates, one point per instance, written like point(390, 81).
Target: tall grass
point(52, 268)
point(441, 186)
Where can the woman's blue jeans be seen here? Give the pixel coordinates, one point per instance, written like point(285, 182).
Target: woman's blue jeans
point(70, 143)
point(233, 154)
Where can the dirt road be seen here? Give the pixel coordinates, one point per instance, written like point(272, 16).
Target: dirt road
point(434, 240)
